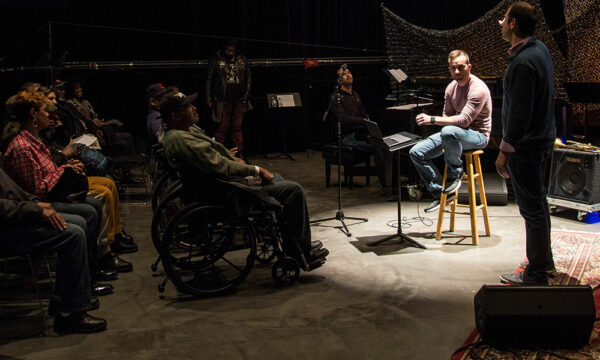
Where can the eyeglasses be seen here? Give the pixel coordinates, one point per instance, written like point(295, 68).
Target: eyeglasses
point(458, 67)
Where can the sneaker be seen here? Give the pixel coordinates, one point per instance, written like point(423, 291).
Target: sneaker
point(522, 278)
point(452, 185)
point(552, 272)
point(435, 205)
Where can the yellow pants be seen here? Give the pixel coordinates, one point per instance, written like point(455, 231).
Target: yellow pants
point(107, 189)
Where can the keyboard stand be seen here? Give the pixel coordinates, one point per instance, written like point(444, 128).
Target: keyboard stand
point(399, 234)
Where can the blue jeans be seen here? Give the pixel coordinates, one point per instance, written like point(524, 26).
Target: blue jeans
point(453, 140)
point(90, 213)
point(72, 273)
point(528, 173)
point(90, 210)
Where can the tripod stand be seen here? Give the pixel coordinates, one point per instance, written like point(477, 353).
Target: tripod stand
point(339, 214)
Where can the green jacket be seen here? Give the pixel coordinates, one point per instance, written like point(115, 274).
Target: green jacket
point(195, 148)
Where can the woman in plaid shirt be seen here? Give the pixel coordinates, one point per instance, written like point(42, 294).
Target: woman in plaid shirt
point(29, 163)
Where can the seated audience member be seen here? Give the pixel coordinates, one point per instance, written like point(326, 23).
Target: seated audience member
point(154, 94)
point(119, 240)
point(28, 86)
point(31, 226)
point(113, 140)
point(28, 162)
point(188, 144)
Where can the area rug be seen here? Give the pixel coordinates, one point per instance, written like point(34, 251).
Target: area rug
point(577, 261)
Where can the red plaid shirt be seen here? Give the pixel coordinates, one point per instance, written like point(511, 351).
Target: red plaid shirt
point(29, 163)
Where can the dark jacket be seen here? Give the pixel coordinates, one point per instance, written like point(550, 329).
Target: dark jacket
point(16, 205)
point(350, 111)
point(216, 82)
point(528, 105)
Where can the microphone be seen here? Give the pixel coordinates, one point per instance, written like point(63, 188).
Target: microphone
point(344, 69)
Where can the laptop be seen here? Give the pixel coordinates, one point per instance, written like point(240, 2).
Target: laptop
point(391, 142)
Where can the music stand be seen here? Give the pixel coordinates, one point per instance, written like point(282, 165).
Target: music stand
point(402, 237)
point(586, 93)
point(283, 100)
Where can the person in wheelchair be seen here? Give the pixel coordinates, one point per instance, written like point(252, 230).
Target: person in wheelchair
point(188, 144)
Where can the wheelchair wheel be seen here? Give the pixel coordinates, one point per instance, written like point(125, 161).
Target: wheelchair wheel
point(163, 187)
point(265, 252)
point(201, 253)
point(285, 271)
point(165, 211)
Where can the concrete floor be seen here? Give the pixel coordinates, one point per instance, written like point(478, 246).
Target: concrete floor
point(386, 302)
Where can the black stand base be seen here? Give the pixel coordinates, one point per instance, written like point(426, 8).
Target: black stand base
point(339, 215)
point(401, 237)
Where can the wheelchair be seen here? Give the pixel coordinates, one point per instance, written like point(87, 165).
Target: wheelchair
point(209, 233)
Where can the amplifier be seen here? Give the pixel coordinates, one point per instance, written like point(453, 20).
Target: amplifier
point(546, 317)
point(575, 176)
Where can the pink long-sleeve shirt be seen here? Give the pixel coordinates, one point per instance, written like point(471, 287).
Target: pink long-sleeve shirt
point(469, 106)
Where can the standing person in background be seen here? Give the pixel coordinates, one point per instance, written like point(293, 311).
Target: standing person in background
point(227, 89)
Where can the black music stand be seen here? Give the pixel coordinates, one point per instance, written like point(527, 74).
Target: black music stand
point(586, 93)
point(399, 234)
point(276, 102)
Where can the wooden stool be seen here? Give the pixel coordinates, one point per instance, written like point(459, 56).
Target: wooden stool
point(471, 158)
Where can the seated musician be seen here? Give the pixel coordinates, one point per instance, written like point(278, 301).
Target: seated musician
point(189, 144)
point(351, 113)
point(466, 124)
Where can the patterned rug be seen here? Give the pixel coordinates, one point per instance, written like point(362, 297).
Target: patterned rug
point(577, 261)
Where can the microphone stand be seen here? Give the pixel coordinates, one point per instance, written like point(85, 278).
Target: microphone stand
point(339, 214)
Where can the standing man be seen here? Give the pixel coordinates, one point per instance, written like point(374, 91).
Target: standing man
point(466, 125)
point(528, 130)
point(227, 88)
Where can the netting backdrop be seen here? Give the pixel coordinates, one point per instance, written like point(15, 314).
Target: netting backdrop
point(423, 52)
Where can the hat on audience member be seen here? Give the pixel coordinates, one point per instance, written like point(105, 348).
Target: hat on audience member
point(172, 101)
point(155, 90)
point(58, 83)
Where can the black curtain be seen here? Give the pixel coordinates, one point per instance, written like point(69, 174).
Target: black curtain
point(268, 29)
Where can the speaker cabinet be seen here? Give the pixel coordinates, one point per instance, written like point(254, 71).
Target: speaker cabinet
point(529, 317)
point(575, 176)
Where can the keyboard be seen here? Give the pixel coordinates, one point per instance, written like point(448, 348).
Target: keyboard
point(390, 142)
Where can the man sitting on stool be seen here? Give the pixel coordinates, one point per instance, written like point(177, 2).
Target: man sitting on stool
point(466, 125)
point(187, 143)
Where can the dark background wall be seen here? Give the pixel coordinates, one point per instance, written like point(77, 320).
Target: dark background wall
point(273, 29)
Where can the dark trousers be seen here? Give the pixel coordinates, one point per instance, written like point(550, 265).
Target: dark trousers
point(232, 115)
point(296, 226)
point(383, 160)
point(528, 173)
point(72, 273)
